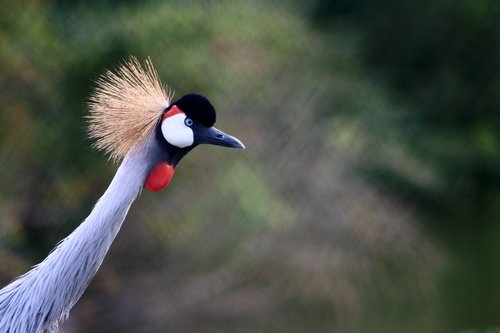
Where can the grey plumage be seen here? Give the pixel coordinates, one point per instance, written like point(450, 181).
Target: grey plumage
point(39, 300)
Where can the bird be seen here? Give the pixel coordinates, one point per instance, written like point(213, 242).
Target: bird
point(133, 120)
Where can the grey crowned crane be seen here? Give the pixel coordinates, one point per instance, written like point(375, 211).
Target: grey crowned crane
point(132, 119)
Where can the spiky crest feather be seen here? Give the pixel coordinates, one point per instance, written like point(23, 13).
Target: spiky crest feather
point(125, 107)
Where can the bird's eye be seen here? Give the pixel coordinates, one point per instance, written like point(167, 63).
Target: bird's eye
point(188, 122)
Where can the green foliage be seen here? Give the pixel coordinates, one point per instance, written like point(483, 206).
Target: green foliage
point(432, 137)
point(447, 69)
point(443, 59)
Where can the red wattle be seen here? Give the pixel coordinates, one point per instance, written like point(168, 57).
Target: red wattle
point(159, 177)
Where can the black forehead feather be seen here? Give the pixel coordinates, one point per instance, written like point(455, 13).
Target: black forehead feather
point(197, 108)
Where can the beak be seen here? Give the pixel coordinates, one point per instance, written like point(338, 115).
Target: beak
point(213, 136)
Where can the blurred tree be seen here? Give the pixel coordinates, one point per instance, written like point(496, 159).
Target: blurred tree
point(443, 58)
point(437, 144)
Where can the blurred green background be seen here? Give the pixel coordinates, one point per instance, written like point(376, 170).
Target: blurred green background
point(367, 200)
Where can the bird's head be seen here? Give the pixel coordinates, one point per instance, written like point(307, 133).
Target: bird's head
point(131, 106)
point(186, 123)
point(189, 122)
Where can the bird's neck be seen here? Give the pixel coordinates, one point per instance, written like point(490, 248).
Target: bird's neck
point(125, 187)
point(108, 214)
point(90, 242)
point(51, 288)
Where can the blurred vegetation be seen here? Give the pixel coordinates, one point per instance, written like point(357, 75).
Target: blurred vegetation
point(367, 199)
point(440, 63)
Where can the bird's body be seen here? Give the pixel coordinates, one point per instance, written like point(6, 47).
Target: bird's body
point(39, 300)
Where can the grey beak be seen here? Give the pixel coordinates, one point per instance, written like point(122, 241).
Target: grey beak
point(213, 136)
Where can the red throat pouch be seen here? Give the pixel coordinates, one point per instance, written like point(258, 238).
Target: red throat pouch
point(159, 177)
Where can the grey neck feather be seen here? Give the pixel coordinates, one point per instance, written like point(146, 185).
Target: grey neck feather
point(39, 300)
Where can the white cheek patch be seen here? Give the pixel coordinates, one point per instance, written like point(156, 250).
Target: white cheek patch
point(176, 132)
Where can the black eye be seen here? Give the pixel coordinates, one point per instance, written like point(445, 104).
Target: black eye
point(188, 122)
